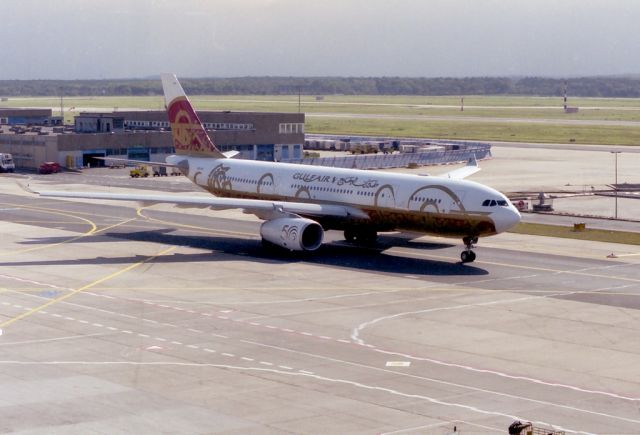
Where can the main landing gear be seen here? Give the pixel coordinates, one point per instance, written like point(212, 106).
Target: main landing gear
point(364, 236)
point(468, 256)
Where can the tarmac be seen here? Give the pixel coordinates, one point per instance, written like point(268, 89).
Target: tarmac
point(118, 318)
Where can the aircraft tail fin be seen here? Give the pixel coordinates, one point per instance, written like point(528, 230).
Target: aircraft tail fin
point(189, 135)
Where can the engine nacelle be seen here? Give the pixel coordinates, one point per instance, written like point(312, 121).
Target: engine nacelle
point(295, 234)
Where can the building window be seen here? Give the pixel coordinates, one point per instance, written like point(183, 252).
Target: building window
point(291, 127)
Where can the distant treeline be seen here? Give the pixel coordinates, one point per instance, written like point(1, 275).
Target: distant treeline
point(577, 87)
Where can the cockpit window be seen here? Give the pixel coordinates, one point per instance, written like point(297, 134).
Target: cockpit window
point(493, 203)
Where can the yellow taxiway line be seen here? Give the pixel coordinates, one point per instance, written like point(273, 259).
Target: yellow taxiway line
point(86, 287)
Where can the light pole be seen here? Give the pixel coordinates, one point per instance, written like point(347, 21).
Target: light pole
point(615, 186)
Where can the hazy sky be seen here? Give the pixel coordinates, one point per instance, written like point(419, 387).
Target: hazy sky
point(70, 39)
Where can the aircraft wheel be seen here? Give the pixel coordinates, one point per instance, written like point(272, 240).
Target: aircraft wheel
point(349, 235)
point(468, 256)
point(367, 237)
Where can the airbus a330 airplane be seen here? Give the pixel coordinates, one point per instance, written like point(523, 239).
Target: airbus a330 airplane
point(298, 203)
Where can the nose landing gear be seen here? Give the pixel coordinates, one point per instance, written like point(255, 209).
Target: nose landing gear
point(468, 256)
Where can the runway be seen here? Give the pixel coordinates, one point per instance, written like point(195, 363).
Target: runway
point(123, 319)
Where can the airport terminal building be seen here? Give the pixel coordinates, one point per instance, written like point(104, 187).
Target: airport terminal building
point(143, 135)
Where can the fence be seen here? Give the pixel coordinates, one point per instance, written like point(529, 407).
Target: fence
point(382, 161)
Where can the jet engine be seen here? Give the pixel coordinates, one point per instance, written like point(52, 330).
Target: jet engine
point(295, 234)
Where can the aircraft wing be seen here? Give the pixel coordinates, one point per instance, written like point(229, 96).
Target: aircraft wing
point(264, 209)
point(469, 169)
point(136, 162)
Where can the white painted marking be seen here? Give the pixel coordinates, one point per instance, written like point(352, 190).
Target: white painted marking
point(83, 321)
point(164, 306)
point(288, 330)
point(324, 337)
point(228, 354)
point(226, 311)
point(398, 363)
point(223, 317)
point(192, 346)
point(126, 331)
point(340, 381)
point(197, 331)
point(265, 363)
point(178, 343)
point(209, 350)
point(254, 324)
point(286, 367)
point(160, 339)
point(191, 312)
point(150, 321)
point(271, 326)
point(247, 359)
point(43, 312)
point(307, 333)
point(344, 341)
point(154, 348)
point(207, 314)
point(98, 325)
point(56, 315)
point(70, 318)
point(111, 328)
point(143, 335)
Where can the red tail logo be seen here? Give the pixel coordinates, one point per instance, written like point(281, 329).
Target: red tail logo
point(189, 135)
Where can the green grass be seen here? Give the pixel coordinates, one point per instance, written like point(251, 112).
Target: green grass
point(595, 235)
point(462, 127)
point(482, 131)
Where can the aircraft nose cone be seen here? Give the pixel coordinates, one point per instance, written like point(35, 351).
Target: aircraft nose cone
point(506, 218)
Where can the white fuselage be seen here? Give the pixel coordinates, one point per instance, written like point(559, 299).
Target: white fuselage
point(392, 201)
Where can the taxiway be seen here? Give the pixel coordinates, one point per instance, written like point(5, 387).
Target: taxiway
point(124, 319)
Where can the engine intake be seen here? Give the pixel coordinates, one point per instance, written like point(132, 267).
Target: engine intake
point(295, 234)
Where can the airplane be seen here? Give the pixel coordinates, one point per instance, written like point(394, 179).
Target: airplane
point(298, 203)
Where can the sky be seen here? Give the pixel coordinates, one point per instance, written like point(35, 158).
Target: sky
point(98, 39)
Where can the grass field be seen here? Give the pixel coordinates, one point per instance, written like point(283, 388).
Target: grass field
point(509, 108)
point(568, 233)
point(481, 131)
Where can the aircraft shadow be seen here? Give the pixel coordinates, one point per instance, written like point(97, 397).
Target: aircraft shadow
point(335, 254)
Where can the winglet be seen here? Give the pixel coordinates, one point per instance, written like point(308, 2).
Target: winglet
point(469, 169)
point(189, 135)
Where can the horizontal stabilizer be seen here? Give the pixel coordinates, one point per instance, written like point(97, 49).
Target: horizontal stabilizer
point(231, 154)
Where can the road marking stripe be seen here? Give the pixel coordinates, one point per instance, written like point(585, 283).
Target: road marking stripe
point(88, 286)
